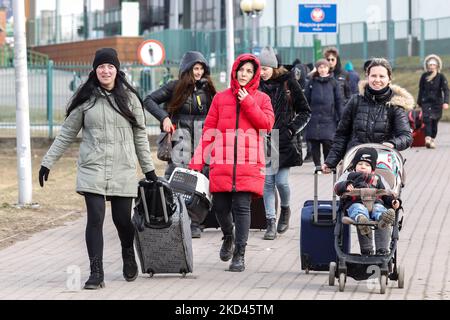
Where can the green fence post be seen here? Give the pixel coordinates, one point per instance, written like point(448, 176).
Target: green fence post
point(365, 42)
point(422, 40)
point(317, 47)
point(391, 42)
point(50, 98)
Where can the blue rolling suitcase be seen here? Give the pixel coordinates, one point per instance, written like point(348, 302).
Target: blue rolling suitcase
point(318, 220)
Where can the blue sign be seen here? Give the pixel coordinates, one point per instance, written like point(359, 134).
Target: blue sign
point(317, 18)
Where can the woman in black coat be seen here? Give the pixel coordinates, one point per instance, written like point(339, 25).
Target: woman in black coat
point(181, 107)
point(433, 97)
point(292, 113)
point(376, 115)
point(324, 97)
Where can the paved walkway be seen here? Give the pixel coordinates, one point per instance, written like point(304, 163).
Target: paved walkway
point(53, 264)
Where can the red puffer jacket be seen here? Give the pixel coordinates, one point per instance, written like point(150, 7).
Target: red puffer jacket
point(236, 156)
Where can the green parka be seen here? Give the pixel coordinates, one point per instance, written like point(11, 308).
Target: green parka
point(107, 161)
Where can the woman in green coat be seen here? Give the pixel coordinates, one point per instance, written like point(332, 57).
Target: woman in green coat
point(112, 117)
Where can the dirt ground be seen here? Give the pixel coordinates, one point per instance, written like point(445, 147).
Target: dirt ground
point(57, 202)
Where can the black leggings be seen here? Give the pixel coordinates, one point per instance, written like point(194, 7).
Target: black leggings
point(431, 127)
point(227, 205)
point(121, 214)
point(315, 150)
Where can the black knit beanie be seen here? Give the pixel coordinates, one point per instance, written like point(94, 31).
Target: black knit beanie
point(106, 55)
point(369, 155)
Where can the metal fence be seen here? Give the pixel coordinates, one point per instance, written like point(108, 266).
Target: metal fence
point(51, 86)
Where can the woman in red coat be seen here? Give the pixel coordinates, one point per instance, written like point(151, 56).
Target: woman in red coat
point(232, 142)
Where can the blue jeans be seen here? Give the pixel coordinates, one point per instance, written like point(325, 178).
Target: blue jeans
point(382, 236)
point(358, 208)
point(281, 181)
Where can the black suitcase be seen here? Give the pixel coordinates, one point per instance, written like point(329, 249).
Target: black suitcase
point(318, 220)
point(257, 218)
point(162, 230)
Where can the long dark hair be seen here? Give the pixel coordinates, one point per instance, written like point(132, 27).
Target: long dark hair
point(119, 93)
point(185, 87)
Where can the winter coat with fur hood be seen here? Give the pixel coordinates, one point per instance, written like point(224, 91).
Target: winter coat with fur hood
point(373, 119)
point(231, 137)
point(434, 93)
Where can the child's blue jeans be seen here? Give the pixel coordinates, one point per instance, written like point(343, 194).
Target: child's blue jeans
point(358, 208)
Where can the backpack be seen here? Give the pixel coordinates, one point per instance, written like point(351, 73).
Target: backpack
point(415, 118)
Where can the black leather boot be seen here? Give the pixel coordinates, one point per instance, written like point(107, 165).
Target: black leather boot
point(271, 232)
point(226, 251)
point(238, 263)
point(283, 222)
point(130, 269)
point(96, 278)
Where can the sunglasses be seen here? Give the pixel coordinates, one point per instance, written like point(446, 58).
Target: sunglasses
point(331, 59)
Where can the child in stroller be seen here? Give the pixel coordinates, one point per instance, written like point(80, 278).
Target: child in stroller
point(363, 176)
point(390, 175)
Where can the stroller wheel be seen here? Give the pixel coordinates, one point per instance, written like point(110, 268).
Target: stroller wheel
point(401, 276)
point(342, 279)
point(383, 283)
point(332, 273)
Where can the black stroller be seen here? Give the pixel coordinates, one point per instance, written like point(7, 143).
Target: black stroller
point(361, 267)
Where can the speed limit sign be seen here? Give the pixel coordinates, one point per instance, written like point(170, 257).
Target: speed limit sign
point(151, 53)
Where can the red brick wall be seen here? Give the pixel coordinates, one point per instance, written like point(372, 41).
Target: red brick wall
point(83, 51)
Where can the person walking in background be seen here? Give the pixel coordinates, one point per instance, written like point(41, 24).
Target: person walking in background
point(376, 115)
point(324, 98)
point(233, 143)
point(183, 105)
point(110, 112)
point(353, 77)
point(433, 97)
point(292, 113)
point(331, 54)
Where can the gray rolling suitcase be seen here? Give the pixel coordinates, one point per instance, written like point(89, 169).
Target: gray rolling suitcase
point(166, 246)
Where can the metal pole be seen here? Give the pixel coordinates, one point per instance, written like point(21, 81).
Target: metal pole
point(58, 22)
point(85, 21)
point(22, 105)
point(410, 42)
point(230, 37)
point(254, 26)
point(50, 98)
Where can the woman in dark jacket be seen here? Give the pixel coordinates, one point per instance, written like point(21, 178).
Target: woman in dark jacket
point(292, 113)
point(376, 115)
point(181, 107)
point(324, 97)
point(331, 54)
point(433, 97)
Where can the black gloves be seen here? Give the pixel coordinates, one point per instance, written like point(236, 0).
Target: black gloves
point(151, 176)
point(43, 174)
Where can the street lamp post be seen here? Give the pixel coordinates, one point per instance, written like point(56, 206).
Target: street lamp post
point(253, 8)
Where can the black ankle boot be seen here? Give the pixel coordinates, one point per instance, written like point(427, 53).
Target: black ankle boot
point(238, 263)
point(96, 278)
point(130, 269)
point(226, 251)
point(283, 222)
point(271, 232)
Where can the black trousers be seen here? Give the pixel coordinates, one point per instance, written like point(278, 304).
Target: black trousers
point(315, 150)
point(431, 127)
point(121, 214)
point(237, 204)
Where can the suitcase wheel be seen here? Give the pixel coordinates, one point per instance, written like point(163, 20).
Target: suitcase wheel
point(150, 273)
point(183, 273)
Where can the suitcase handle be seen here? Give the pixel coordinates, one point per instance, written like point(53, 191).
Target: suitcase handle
point(316, 198)
point(144, 202)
